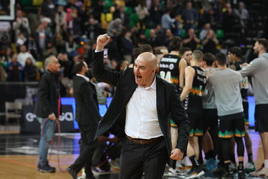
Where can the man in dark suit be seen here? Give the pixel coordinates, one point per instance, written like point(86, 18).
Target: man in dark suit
point(140, 113)
point(47, 110)
point(87, 115)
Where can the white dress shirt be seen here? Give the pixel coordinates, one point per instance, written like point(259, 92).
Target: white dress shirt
point(83, 76)
point(141, 114)
point(22, 57)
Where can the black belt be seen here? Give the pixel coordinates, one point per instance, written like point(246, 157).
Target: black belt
point(144, 141)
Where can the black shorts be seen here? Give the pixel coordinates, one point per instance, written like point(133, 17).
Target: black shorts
point(245, 106)
point(231, 126)
point(197, 123)
point(261, 117)
point(210, 119)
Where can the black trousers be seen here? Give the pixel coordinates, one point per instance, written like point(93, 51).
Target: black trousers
point(87, 147)
point(137, 159)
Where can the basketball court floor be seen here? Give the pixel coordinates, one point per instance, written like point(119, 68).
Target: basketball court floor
point(18, 153)
point(18, 156)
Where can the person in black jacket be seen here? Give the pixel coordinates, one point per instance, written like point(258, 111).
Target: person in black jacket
point(47, 109)
point(87, 115)
point(139, 114)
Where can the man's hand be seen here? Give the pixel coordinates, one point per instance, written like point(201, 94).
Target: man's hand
point(176, 154)
point(102, 139)
point(102, 41)
point(52, 117)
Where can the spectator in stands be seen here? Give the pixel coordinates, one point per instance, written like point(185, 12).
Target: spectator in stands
point(191, 41)
point(121, 14)
point(43, 35)
point(169, 37)
point(204, 31)
point(59, 43)
point(75, 27)
point(48, 9)
point(23, 55)
point(190, 16)
point(210, 42)
point(153, 39)
point(142, 13)
point(60, 19)
point(21, 39)
point(50, 50)
point(6, 56)
point(211, 17)
point(74, 4)
point(230, 22)
point(157, 36)
point(166, 20)
point(155, 13)
point(127, 46)
point(32, 47)
point(30, 70)
point(3, 74)
point(71, 46)
point(92, 28)
point(177, 27)
point(243, 15)
point(21, 24)
point(14, 69)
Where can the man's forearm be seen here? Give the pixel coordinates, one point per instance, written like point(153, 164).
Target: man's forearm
point(184, 93)
point(183, 132)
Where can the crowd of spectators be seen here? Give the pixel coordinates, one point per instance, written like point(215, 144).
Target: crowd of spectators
point(68, 30)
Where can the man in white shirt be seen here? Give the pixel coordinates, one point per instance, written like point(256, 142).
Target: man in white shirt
point(23, 55)
point(139, 114)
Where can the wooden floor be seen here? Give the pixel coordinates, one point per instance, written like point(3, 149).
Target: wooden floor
point(14, 166)
point(24, 167)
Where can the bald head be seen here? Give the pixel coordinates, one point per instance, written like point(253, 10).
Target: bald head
point(145, 69)
point(149, 58)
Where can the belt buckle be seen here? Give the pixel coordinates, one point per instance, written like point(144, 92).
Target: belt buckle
point(144, 141)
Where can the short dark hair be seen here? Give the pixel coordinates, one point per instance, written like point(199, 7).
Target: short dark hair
point(174, 44)
point(198, 55)
point(236, 51)
point(78, 67)
point(263, 42)
point(209, 58)
point(184, 49)
point(221, 59)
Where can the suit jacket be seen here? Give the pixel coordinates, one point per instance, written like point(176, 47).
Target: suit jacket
point(87, 111)
point(168, 105)
point(48, 95)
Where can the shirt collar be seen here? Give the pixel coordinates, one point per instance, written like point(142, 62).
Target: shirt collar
point(153, 85)
point(83, 76)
